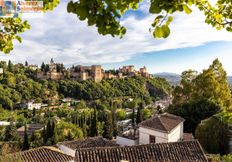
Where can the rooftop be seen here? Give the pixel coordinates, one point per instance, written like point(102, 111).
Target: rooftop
point(89, 143)
point(30, 129)
point(188, 151)
point(41, 154)
point(164, 122)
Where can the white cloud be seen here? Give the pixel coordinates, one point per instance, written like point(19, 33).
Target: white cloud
point(62, 36)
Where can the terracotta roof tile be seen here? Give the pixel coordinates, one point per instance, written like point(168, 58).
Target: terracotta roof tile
point(41, 154)
point(188, 151)
point(165, 122)
point(89, 143)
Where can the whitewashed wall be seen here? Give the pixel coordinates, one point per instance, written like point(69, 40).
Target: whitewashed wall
point(67, 150)
point(122, 141)
point(144, 136)
point(175, 135)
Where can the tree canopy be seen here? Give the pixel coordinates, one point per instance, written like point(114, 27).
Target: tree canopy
point(201, 95)
point(210, 85)
point(107, 14)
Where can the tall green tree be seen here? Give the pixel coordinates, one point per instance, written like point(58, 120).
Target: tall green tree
point(107, 129)
point(93, 127)
point(139, 113)
point(26, 144)
point(114, 121)
point(211, 85)
point(10, 67)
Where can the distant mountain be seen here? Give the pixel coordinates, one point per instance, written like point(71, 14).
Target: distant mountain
point(174, 78)
point(230, 80)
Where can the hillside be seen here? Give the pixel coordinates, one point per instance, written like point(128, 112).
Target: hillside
point(18, 85)
point(172, 78)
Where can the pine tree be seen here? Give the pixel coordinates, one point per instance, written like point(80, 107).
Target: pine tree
point(26, 144)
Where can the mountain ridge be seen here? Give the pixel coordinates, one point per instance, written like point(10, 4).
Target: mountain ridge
point(174, 78)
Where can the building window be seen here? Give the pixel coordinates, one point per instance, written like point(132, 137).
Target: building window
point(152, 139)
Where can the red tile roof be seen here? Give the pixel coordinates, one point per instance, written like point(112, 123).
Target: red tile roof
point(41, 154)
point(188, 151)
point(89, 143)
point(164, 122)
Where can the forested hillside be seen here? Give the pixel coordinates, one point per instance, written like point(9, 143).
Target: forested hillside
point(18, 84)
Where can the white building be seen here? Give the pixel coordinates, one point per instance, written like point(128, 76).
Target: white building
point(32, 105)
point(128, 138)
point(161, 128)
point(4, 123)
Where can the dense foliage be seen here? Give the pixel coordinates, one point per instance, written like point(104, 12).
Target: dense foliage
point(212, 133)
point(210, 85)
point(204, 100)
point(194, 112)
point(19, 85)
point(200, 96)
point(127, 87)
point(96, 109)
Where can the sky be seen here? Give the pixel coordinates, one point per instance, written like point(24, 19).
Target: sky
point(60, 35)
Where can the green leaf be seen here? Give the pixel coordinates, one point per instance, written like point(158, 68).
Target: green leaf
point(170, 19)
point(18, 38)
point(165, 31)
point(158, 33)
point(70, 6)
point(187, 9)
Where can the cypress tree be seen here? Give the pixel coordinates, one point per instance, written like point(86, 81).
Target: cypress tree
point(93, 125)
point(26, 144)
point(34, 112)
point(44, 134)
point(10, 66)
point(43, 67)
point(55, 136)
point(114, 124)
point(26, 63)
point(133, 117)
point(107, 129)
point(139, 114)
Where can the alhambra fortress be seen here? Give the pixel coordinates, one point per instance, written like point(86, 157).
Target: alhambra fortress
point(57, 71)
